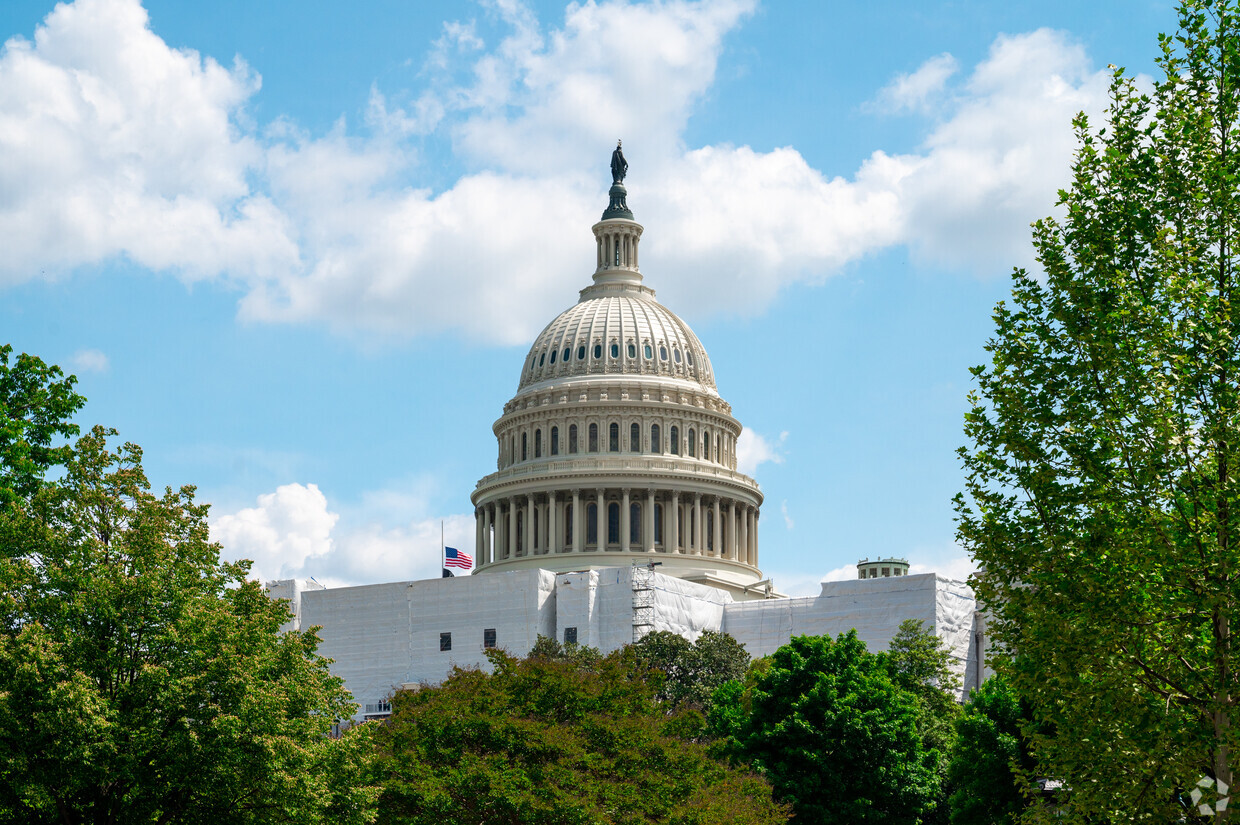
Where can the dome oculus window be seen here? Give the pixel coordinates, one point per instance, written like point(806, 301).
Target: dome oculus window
point(649, 352)
point(598, 351)
point(689, 357)
point(676, 355)
point(632, 351)
point(615, 350)
point(662, 353)
point(553, 356)
point(542, 359)
point(581, 352)
point(567, 352)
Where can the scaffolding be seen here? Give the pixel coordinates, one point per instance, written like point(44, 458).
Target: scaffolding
point(643, 600)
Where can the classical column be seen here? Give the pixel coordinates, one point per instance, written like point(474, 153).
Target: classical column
point(648, 519)
point(624, 521)
point(600, 520)
point(544, 542)
point(718, 530)
point(756, 516)
point(510, 530)
point(478, 535)
point(501, 522)
point(557, 531)
point(489, 535)
point(732, 545)
point(671, 543)
point(696, 541)
point(743, 549)
point(577, 520)
point(529, 526)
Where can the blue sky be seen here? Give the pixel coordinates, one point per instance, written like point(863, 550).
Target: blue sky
point(297, 250)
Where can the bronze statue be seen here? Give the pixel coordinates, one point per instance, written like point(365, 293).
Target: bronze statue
point(619, 166)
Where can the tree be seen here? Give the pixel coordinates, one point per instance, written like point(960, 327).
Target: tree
point(692, 671)
point(1105, 443)
point(143, 680)
point(548, 739)
point(837, 738)
point(989, 757)
point(922, 665)
point(36, 405)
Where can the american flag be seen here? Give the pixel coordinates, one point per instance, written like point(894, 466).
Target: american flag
point(455, 558)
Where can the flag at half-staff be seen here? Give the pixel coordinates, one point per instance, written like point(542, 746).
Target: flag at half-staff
point(459, 559)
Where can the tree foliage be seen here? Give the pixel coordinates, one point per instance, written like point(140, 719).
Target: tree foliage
point(142, 680)
point(989, 757)
point(692, 671)
point(36, 404)
point(837, 738)
point(551, 739)
point(1105, 444)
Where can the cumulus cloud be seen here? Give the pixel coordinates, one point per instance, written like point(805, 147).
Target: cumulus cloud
point(385, 536)
point(113, 144)
point(753, 450)
point(89, 360)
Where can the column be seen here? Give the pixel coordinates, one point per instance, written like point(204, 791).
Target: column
point(490, 534)
point(529, 526)
point(577, 521)
point(756, 516)
point(648, 526)
point(624, 521)
point(501, 522)
point(732, 546)
point(510, 530)
point(742, 553)
point(544, 543)
point(557, 529)
point(600, 520)
point(671, 536)
point(478, 535)
point(718, 530)
point(696, 536)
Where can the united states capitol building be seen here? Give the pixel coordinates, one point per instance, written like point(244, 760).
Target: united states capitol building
point(615, 509)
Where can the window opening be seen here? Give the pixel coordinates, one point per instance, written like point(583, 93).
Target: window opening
point(632, 351)
point(676, 355)
point(592, 524)
point(673, 441)
point(564, 357)
point(594, 438)
point(537, 443)
point(692, 443)
point(581, 352)
point(572, 438)
point(658, 523)
point(635, 523)
point(635, 438)
point(615, 350)
point(568, 524)
point(445, 642)
point(542, 359)
point(613, 438)
point(598, 351)
point(656, 446)
point(613, 523)
point(649, 352)
point(553, 356)
point(555, 440)
point(662, 353)
point(570, 635)
point(524, 451)
point(488, 637)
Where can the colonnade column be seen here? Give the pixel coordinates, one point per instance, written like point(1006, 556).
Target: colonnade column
point(718, 530)
point(501, 530)
point(648, 526)
point(625, 534)
point(577, 519)
point(756, 516)
point(545, 544)
point(478, 536)
point(672, 544)
point(554, 523)
point(489, 534)
point(743, 549)
point(528, 538)
point(695, 537)
point(600, 521)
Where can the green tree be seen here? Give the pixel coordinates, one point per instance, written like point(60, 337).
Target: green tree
point(922, 665)
point(143, 680)
point(989, 757)
point(1105, 444)
point(36, 404)
point(551, 740)
point(837, 738)
point(692, 671)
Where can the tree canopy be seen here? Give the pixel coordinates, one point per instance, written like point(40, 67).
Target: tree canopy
point(692, 671)
point(37, 403)
point(989, 758)
point(823, 720)
point(144, 680)
point(556, 739)
point(1102, 468)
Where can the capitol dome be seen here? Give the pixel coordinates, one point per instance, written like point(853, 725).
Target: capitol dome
point(617, 447)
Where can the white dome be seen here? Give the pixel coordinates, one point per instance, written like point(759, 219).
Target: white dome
point(617, 330)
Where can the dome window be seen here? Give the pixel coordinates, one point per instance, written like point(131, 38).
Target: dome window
point(542, 359)
point(615, 350)
point(673, 440)
point(662, 353)
point(613, 438)
point(553, 353)
point(572, 438)
point(581, 352)
point(676, 355)
point(632, 350)
point(524, 451)
point(537, 443)
point(635, 438)
point(598, 351)
point(649, 352)
point(564, 357)
point(555, 440)
point(594, 438)
point(656, 445)
point(689, 357)
point(692, 443)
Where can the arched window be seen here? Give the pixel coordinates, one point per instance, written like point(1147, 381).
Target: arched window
point(692, 443)
point(656, 446)
point(635, 523)
point(673, 440)
point(617, 253)
point(615, 350)
point(658, 523)
point(553, 352)
point(706, 446)
point(594, 438)
point(581, 352)
point(568, 524)
point(537, 443)
point(572, 438)
point(635, 438)
point(717, 449)
point(520, 532)
point(555, 440)
point(613, 523)
point(564, 357)
point(613, 438)
point(591, 524)
point(524, 449)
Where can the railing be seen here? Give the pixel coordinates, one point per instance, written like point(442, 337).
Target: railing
point(600, 465)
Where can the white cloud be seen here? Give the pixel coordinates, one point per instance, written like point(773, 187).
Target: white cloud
point(753, 450)
point(783, 510)
point(386, 536)
point(89, 360)
point(114, 144)
point(918, 90)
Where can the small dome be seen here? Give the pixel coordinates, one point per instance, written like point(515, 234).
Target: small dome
point(617, 330)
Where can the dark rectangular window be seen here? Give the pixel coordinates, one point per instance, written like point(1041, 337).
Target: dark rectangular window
point(570, 635)
point(445, 641)
point(488, 637)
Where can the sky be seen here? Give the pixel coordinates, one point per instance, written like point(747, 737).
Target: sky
point(298, 251)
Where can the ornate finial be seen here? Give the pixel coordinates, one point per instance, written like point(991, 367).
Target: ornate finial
point(619, 166)
point(618, 207)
